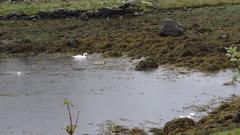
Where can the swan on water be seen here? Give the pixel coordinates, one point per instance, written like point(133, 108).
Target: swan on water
point(84, 56)
point(190, 116)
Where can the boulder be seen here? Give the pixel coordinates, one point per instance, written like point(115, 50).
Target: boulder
point(171, 28)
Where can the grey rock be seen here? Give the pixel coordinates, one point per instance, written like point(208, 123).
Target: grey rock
point(72, 43)
point(171, 28)
point(236, 117)
point(16, 15)
point(108, 12)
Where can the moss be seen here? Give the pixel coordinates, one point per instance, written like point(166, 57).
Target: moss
point(178, 125)
point(156, 131)
point(111, 54)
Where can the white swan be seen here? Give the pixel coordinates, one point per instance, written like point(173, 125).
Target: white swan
point(84, 56)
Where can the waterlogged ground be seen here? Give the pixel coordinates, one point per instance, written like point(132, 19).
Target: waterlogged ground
point(32, 101)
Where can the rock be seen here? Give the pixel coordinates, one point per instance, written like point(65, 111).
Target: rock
point(108, 12)
point(14, 1)
point(236, 118)
point(16, 15)
point(42, 15)
point(58, 13)
point(124, 10)
point(72, 43)
point(146, 64)
point(129, 8)
point(223, 36)
point(171, 28)
point(178, 126)
point(86, 15)
point(138, 13)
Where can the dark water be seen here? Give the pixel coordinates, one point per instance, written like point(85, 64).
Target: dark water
point(31, 103)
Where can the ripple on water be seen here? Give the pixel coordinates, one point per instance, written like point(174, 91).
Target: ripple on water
point(112, 92)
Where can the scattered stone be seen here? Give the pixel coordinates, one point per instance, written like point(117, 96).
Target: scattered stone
point(171, 28)
point(123, 10)
point(128, 7)
point(16, 15)
point(146, 64)
point(108, 12)
point(14, 1)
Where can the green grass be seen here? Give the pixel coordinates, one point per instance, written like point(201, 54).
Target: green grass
point(230, 132)
point(33, 7)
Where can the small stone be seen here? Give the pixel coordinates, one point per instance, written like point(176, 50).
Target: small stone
point(223, 36)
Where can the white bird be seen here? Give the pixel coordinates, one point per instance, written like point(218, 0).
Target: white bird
point(19, 73)
point(84, 56)
point(190, 116)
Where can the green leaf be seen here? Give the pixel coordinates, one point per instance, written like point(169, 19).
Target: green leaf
point(67, 102)
point(69, 130)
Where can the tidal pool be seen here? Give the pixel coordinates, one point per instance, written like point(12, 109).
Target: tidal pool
point(32, 90)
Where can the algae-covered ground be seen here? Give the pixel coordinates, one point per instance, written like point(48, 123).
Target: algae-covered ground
point(208, 31)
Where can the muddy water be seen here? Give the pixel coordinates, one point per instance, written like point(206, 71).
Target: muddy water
point(31, 102)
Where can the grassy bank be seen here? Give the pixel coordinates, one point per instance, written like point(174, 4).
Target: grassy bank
point(230, 132)
point(33, 7)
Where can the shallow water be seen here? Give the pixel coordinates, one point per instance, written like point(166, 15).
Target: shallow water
point(31, 103)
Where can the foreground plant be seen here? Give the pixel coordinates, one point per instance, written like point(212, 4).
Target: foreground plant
point(70, 129)
point(234, 56)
